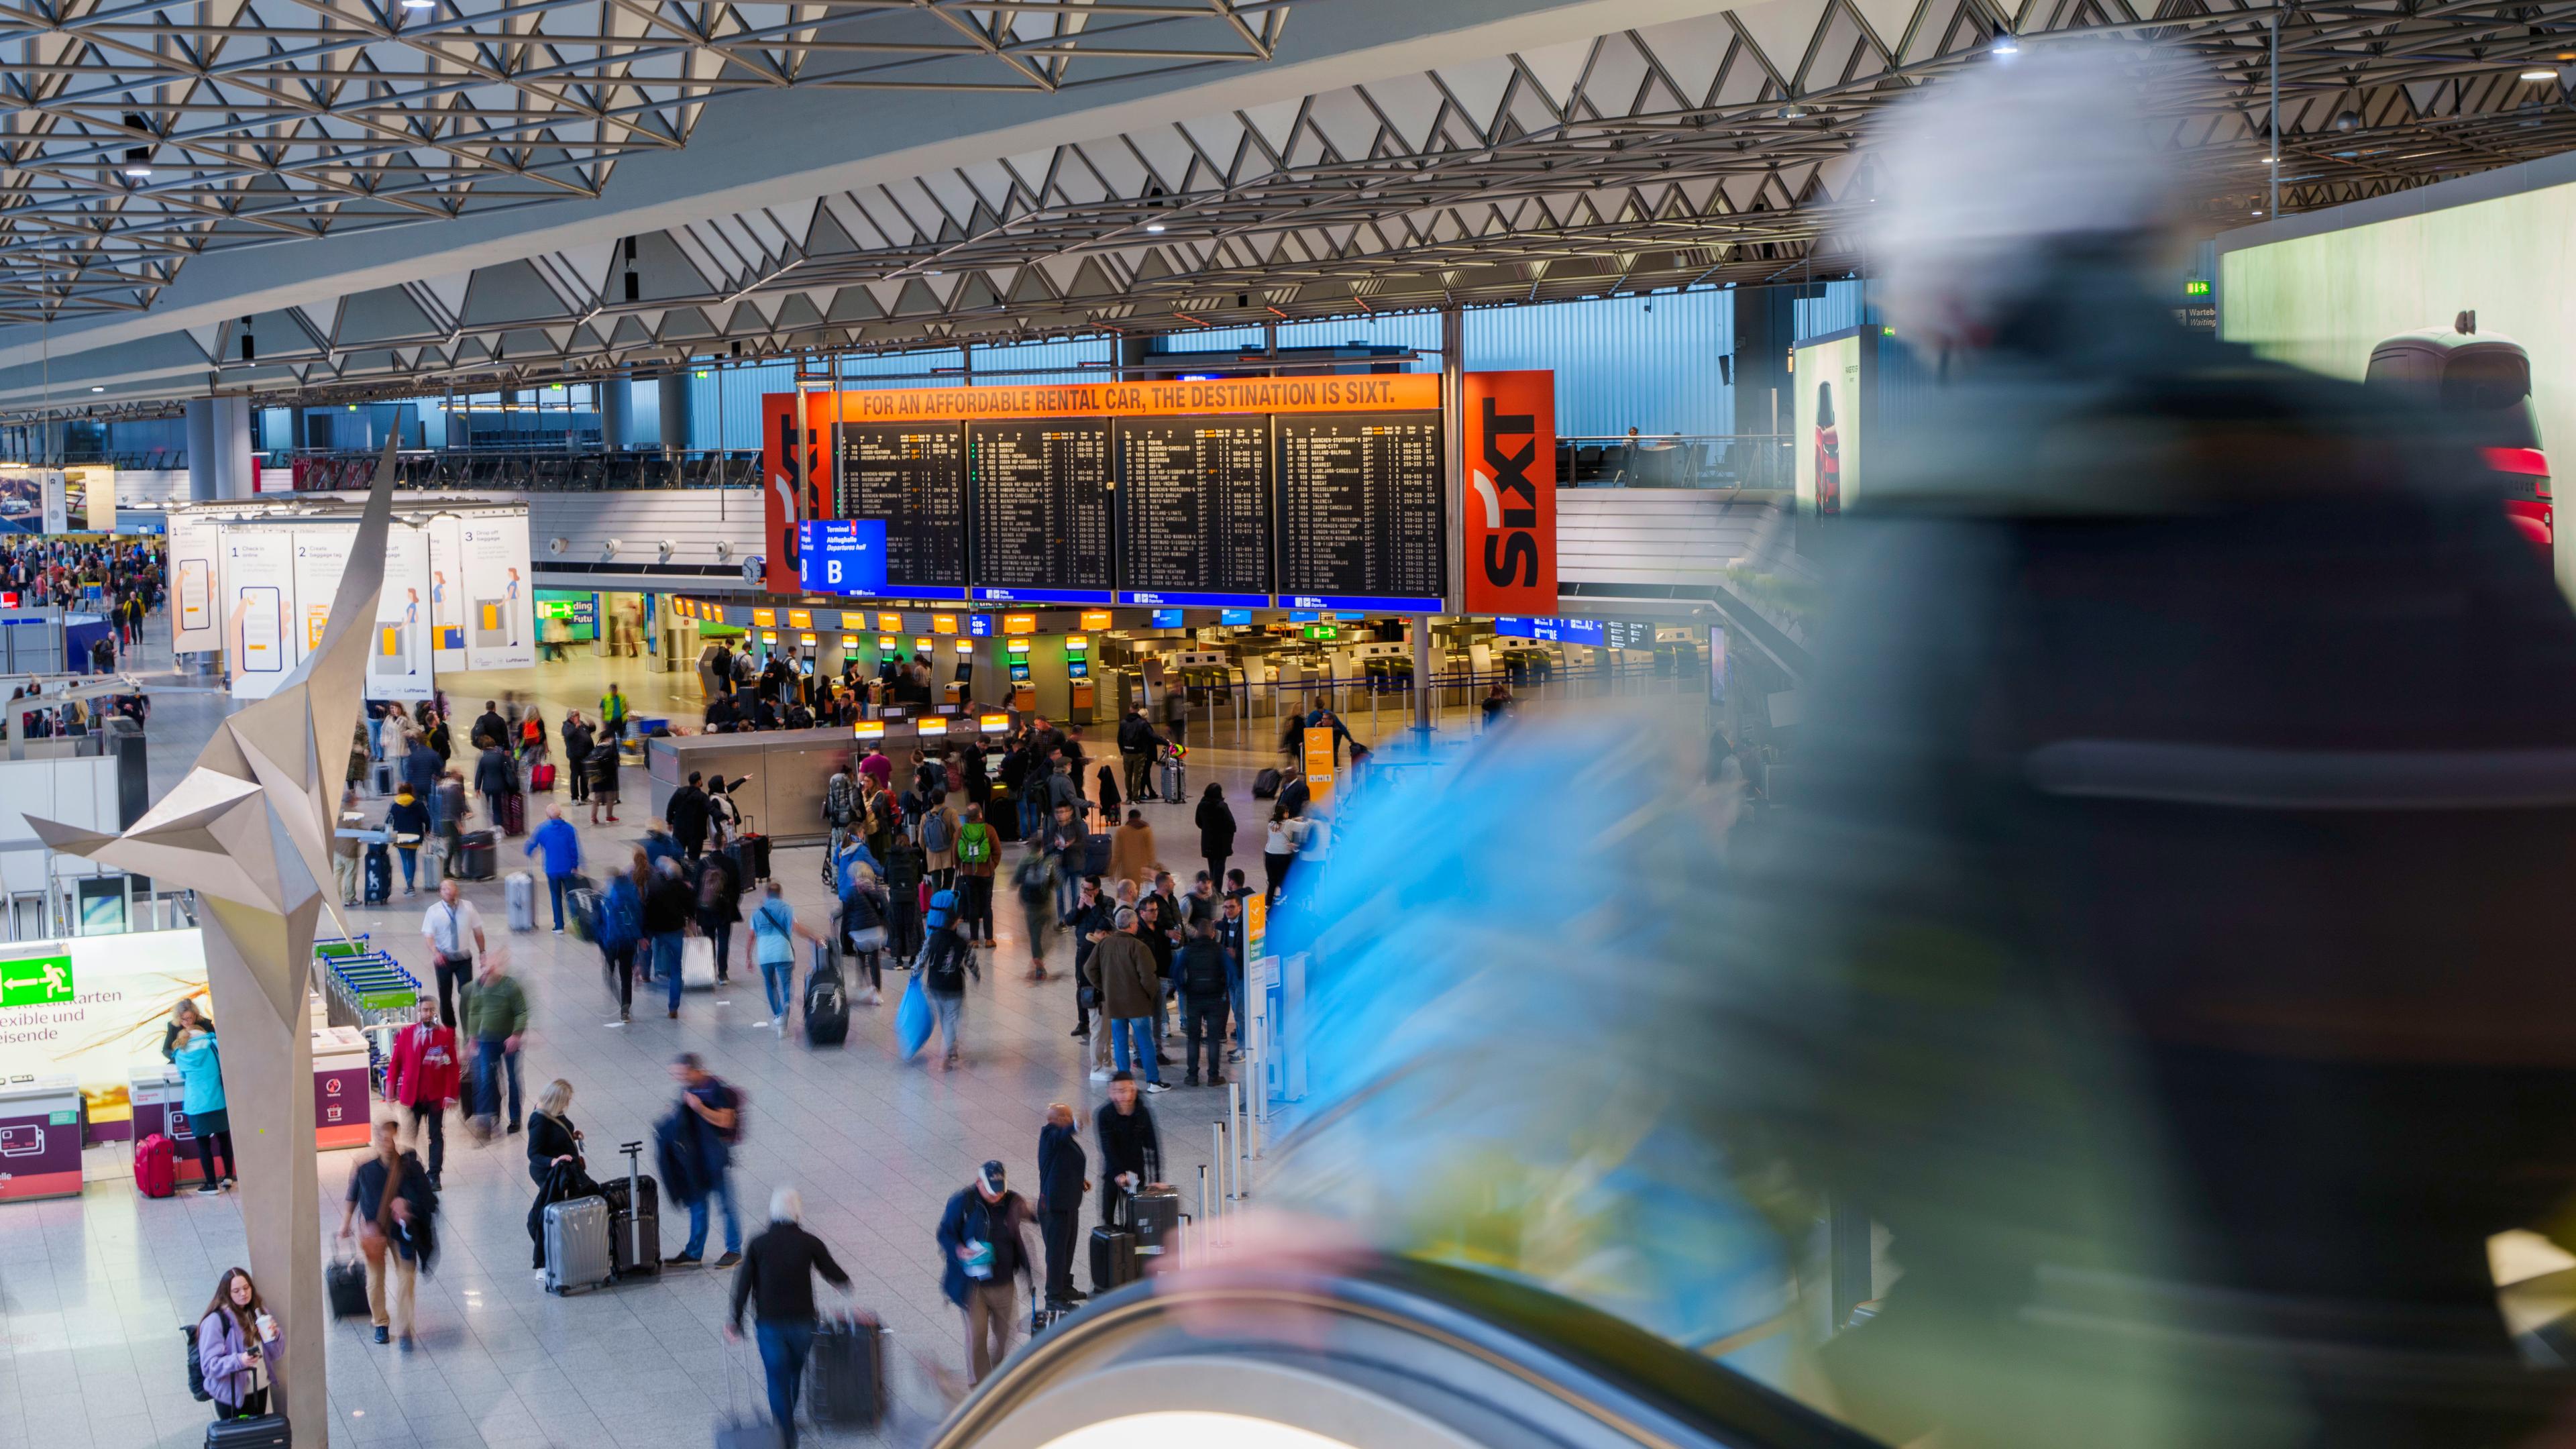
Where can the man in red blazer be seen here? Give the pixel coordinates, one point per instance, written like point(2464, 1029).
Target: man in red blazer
point(421, 1077)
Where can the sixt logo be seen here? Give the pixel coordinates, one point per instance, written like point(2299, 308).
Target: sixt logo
point(1502, 480)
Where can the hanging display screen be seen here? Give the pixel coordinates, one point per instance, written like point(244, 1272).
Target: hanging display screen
point(1360, 521)
point(911, 477)
point(1195, 521)
point(1041, 508)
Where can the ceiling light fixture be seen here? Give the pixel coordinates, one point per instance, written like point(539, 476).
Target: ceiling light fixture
point(2005, 44)
point(419, 4)
point(1154, 226)
point(98, 387)
point(2540, 73)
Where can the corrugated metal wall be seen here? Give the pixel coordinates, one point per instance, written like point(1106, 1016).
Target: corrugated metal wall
point(1844, 305)
point(1620, 362)
point(724, 405)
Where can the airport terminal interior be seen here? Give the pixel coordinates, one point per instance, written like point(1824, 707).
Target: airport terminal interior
point(1498, 724)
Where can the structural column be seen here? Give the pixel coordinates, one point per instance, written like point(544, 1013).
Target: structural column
point(675, 411)
point(220, 464)
point(616, 409)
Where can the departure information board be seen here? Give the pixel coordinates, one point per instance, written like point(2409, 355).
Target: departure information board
point(1042, 498)
point(913, 478)
point(1194, 515)
point(1360, 517)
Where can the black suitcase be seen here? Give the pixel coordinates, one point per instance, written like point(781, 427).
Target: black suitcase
point(1155, 1211)
point(479, 859)
point(1003, 814)
point(1265, 786)
point(380, 875)
point(346, 1284)
point(750, 852)
point(1113, 1258)
point(634, 1247)
point(827, 1002)
point(845, 1378)
point(267, 1431)
point(1095, 858)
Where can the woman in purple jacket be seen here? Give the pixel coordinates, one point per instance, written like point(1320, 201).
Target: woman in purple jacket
point(238, 1348)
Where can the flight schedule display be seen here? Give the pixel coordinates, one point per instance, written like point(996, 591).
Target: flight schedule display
point(1041, 510)
point(1360, 515)
point(1194, 520)
point(911, 476)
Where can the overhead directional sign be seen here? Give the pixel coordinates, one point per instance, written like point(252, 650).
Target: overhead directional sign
point(846, 557)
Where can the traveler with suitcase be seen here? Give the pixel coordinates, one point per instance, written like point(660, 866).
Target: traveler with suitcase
point(201, 1071)
point(390, 1191)
point(774, 929)
point(563, 858)
point(602, 765)
point(496, 1020)
point(777, 1279)
point(1061, 1185)
point(406, 825)
point(239, 1347)
point(621, 929)
point(668, 900)
point(710, 1117)
point(1131, 1149)
point(496, 780)
point(554, 1143)
point(981, 1252)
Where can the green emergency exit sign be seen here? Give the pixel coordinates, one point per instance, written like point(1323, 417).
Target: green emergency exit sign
point(36, 981)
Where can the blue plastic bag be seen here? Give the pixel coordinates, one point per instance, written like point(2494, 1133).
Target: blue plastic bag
point(912, 1021)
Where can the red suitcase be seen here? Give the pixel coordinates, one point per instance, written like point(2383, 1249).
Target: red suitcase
point(541, 777)
point(156, 1166)
point(514, 814)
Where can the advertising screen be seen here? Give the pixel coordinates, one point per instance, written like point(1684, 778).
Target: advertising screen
point(2470, 308)
point(94, 1007)
point(1827, 385)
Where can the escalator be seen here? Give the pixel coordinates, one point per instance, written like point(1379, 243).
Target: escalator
point(1392, 1354)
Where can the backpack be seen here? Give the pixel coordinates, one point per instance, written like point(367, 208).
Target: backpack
point(975, 844)
point(934, 832)
point(1034, 873)
point(196, 1367)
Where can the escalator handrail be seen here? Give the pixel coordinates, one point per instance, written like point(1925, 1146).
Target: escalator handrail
point(1602, 1366)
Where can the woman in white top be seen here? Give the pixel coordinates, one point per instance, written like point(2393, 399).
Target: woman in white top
point(1280, 840)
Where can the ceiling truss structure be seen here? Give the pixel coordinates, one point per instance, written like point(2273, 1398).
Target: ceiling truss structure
point(1722, 148)
point(133, 136)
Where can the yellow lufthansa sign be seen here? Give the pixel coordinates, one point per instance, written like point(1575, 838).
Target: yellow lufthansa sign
point(1319, 764)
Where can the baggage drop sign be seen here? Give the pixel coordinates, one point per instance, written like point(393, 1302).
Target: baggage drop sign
point(1319, 764)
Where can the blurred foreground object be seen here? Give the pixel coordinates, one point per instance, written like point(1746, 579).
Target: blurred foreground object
point(2164, 952)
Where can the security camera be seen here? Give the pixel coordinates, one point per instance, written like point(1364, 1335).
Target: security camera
point(610, 548)
point(668, 548)
point(724, 549)
point(556, 546)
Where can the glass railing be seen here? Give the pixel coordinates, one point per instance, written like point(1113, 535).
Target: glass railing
point(519, 470)
point(1677, 460)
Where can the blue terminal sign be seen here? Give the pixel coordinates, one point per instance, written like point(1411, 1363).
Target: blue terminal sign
point(845, 557)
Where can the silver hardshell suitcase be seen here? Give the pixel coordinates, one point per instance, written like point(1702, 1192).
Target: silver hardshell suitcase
point(577, 1244)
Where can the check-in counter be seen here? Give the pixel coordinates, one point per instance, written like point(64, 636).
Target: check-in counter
point(155, 1093)
point(40, 1138)
point(789, 769)
point(340, 1110)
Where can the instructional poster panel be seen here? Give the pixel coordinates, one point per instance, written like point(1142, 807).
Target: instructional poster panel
point(446, 593)
point(259, 604)
point(398, 664)
point(321, 555)
point(500, 603)
point(196, 619)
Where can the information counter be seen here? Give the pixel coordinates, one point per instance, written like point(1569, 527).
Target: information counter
point(40, 1138)
point(788, 770)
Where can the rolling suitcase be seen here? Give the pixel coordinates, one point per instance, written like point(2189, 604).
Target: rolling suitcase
point(827, 1004)
point(514, 814)
point(1265, 786)
point(737, 1430)
point(380, 875)
point(478, 860)
point(845, 1379)
point(345, 1282)
point(156, 1166)
point(1113, 1258)
point(1095, 858)
point(541, 777)
point(1155, 1210)
point(268, 1431)
point(581, 913)
point(1173, 779)
point(523, 900)
point(634, 1234)
point(750, 852)
point(577, 1245)
point(380, 774)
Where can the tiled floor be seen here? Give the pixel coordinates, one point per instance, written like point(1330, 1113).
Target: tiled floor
point(92, 1291)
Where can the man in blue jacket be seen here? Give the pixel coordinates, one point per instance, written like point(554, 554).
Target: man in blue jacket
point(982, 1251)
point(563, 857)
